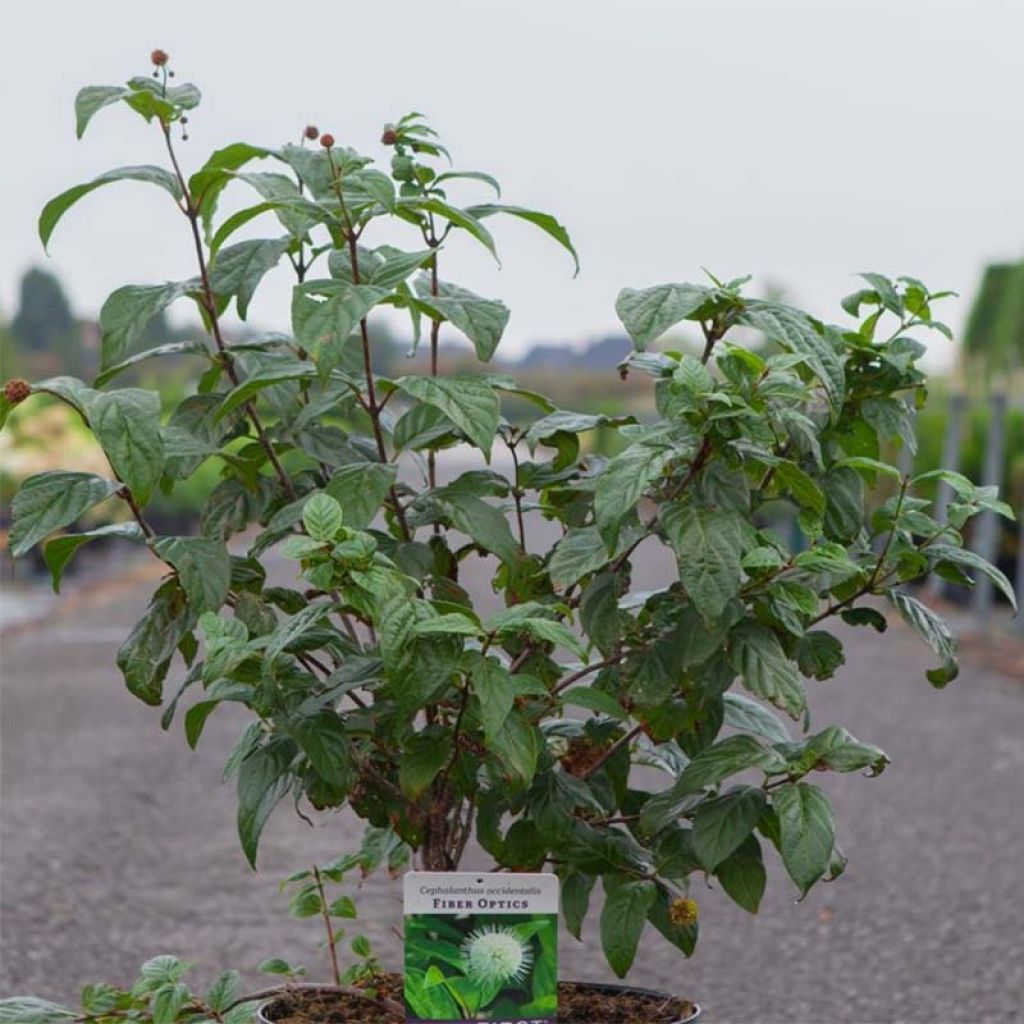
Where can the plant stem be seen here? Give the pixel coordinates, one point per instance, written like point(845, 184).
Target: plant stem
point(435, 331)
point(575, 677)
point(332, 939)
point(210, 305)
point(517, 494)
point(621, 742)
point(371, 406)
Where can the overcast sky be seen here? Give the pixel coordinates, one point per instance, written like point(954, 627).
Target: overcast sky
point(799, 142)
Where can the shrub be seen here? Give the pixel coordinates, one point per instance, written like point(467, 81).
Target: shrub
point(375, 679)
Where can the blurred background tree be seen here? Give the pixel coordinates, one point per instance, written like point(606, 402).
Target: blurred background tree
point(44, 331)
point(993, 341)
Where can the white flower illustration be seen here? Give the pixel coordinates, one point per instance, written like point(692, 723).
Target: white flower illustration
point(496, 955)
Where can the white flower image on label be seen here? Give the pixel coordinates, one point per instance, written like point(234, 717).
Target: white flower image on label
point(496, 955)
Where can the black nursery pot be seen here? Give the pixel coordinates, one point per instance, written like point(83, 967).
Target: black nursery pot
point(265, 1012)
point(612, 990)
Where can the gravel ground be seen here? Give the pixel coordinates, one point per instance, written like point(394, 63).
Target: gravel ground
point(119, 843)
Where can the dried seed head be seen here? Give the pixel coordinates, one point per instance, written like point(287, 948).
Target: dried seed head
point(326, 140)
point(390, 136)
point(159, 58)
point(17, 390)
point(311, 132)
point(683, 912)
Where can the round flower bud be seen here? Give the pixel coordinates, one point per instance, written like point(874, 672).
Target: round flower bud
point(17, 390)
point(159, 58)
point(683, 912)
point(311, 132)
point(326, 140)
point(390, 136)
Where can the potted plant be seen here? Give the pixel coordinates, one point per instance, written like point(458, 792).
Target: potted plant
point(376, 680)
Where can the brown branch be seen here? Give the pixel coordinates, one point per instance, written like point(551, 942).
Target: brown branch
point(332, 939)
point(371, 406)
point(210, 305)
point(583, 672)
point(621, 742)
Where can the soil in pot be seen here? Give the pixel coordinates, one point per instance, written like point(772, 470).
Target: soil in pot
point(578, 1004)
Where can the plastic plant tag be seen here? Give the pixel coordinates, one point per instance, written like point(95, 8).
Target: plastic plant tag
point(481, 947)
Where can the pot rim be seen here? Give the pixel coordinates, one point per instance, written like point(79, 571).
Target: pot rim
point(601, 986)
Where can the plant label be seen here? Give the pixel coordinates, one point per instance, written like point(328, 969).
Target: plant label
point(481, 947)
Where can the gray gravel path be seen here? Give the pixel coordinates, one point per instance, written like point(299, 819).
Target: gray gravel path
point(119, 843)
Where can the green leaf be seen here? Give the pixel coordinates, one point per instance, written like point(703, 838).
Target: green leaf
point(819, 654)
point(720, 825)
point(324, 314)
point(145, 655)
point(423, 756)
point(206, 185)
point(599, 612)
point(384, 267)
point(796, 332)
point(622, 483)
point(870, 466)
point(835, 748)
point(92, 99)
point(168, 1002)
point(322, 517)
point(545, 221)
point(497, 691)
point(562, 421)
point(707, 543)
point(743, 876)
point(30, 1010)
point(711, 766)
point(485, 524)
point(468, 402)
point(163, 968)
point(575, 892)
point(360, 488)
point(128, 311)
point(59, 205)
point(483, 321)
point(748, 716)
point(758, 656)
point(239, 269)
point(264, 378)
point(807, 493)
point(518, 746)
point(50, 501)
point(204, 567)
point(623, 918)
point(807, 832)
point(580, 552)
point(451, 624)
point(222, 992)
point(961, 556)
point(173, 348)
point(935, 634)
point(127, 425)
point(461, 219)
point(263, 779)
point(59, 551)
point(343, 907)
point(323, 740)
point(295, 626)
point(594, 700)
point(647, 313)
point(295, 213)
point(532, 618)
point(827, 557)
